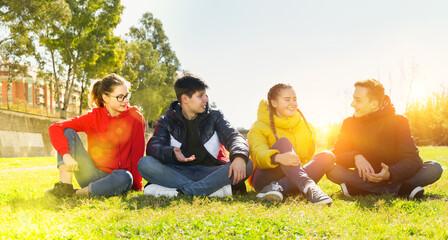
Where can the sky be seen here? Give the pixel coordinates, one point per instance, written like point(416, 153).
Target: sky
point(241, 48)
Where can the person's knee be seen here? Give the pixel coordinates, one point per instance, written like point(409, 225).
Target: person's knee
point(144, 164)
point(123, 178)
point(327, 159)
point(284, 140)
point(283, 145)
point(150, 167)
point(69, 132)
point(437, 169)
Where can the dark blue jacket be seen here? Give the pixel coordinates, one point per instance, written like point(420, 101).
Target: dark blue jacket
point(381, 137)
point(214, 131)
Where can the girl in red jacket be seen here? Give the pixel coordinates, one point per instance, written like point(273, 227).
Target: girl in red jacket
point(116, 142)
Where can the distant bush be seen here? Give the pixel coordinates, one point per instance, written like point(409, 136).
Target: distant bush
point(326, 135)
point(428, 118)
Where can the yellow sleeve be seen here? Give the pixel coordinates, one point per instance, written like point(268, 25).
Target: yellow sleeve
point(259, 149)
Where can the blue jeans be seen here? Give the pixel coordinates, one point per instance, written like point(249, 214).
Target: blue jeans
point(190, 180)
point(293, 179)
point(430, 172)
point(100, 183)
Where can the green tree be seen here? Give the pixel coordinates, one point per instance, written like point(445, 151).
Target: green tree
point(18, 21)
point(84, 47)
point(150, 65)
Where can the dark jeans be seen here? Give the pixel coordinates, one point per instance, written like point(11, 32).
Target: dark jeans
point(100, 183)
point(293, 179)
point(430, 172)
point(191, 180)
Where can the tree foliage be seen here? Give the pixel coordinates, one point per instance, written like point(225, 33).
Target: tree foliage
point(19, 20)
point(84, 47)
point(73, 42)
point(428, 118)
point(150, 65)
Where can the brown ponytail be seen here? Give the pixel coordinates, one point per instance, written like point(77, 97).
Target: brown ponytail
point(105, 86)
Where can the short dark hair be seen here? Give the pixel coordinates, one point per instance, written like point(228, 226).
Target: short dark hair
point(376, 89)
point(188, 84)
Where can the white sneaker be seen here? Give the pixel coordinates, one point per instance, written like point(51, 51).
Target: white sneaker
point(160, 191)
point(222, 192)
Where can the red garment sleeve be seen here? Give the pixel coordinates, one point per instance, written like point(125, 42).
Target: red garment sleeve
point(137, 151)
point(56, 131)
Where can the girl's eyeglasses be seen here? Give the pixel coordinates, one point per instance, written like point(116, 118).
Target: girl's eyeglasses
point(121, 98)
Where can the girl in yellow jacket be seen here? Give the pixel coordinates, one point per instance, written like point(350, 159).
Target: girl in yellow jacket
point(281, 146)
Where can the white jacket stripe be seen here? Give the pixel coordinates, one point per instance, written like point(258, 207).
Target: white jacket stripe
point(212, 145)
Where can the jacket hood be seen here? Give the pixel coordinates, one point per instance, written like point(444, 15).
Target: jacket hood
point(284, 122)
point(387, 109)
point(175, 111)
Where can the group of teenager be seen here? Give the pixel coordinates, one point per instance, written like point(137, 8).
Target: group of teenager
point(195, 151)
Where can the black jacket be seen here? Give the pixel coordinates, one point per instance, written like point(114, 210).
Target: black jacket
point(381, 137)
point(214, 131)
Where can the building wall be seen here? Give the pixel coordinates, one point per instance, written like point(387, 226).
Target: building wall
point(35, 92)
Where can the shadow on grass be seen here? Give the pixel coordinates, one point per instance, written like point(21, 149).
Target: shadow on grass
point(140, 201)
point(373, 201)
point(130, 201)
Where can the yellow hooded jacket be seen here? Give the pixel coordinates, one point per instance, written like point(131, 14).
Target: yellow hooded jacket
point(261, 138)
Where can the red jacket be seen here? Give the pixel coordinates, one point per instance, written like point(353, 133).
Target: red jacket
point(113, 142)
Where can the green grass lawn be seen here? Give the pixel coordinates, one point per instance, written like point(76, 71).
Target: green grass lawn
point(27, 214)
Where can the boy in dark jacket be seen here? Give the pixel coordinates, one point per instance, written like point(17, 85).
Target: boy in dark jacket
point(187, 153)
point(377, 143)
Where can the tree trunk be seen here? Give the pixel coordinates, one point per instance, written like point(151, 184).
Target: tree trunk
point(56, 79)
point(80, 99)
point(63, 113)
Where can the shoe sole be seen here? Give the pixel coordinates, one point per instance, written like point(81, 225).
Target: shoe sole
point(148, 192)
point(345, 190)
point(271, 196)
point(416, 193)
point(226, 192)
point(327, 201)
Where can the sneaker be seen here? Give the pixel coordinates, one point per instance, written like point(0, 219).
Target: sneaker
point(316, 196)
point(271, 192)
point(411, 192)
point(350, 191)
point(61, 190)
point(345, 190)
point(160, 191)
point(416, 193)
point(222, 192)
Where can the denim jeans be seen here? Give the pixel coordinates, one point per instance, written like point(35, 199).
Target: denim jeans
point(293, 179)
point(100, 183)
point(190, 180)
point(430, 172)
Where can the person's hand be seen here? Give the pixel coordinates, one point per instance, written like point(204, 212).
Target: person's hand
point(70, 163)
point(238, 168)
point(363, 166)
point(287, 159)
point(383, 175)
point(180, 156)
